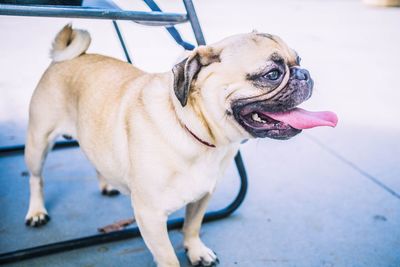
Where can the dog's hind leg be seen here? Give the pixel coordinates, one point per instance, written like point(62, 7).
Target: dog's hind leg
point(196, 251)
point(38, 144)
point(105, 188)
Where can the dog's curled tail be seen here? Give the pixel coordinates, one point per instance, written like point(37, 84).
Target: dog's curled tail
point(69, 43)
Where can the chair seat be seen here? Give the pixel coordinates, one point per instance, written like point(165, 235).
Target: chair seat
point(94, 9)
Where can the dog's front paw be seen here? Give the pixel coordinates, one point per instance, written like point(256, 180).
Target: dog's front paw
point(199, 255)
point(36, 219)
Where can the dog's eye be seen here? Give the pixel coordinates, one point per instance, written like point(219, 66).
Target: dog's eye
point(272, 75)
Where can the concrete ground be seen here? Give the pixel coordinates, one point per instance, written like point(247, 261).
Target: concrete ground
point(328, 197)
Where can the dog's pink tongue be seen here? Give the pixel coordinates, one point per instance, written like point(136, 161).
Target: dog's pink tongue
point(302, 119)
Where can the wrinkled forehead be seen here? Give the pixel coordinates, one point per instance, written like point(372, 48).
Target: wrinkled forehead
point(254, 49)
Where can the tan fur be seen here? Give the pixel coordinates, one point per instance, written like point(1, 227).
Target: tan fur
point(131, 126)
point(69, 44)
point(63, 38)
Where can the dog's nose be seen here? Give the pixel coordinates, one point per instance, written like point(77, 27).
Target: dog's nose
point(300, 74)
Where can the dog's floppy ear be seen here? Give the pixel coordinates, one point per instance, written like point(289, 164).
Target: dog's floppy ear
point(186, 71)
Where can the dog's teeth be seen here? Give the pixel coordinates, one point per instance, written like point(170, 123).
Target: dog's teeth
point(255, 117)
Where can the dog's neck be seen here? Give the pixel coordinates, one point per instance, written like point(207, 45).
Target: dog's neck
point(195, 127)
point(193, 122)
point(198, 138)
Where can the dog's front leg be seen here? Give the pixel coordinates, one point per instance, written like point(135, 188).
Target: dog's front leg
point(197, 252)
point(153, 228)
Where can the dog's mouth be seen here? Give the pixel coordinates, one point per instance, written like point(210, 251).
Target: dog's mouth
point(281, 125)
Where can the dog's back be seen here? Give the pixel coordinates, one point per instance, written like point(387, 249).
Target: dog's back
point(75, 82)
point(74, 77)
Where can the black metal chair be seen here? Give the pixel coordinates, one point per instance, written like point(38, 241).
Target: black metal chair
point(97, 9)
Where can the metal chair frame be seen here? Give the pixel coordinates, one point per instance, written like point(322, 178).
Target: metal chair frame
point(112, 12)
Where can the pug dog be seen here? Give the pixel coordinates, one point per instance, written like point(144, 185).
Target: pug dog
point(166, 138)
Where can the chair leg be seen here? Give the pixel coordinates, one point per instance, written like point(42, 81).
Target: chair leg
point(48, 249)
point(194, 21)
point(122, 42)
point(171, 29)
